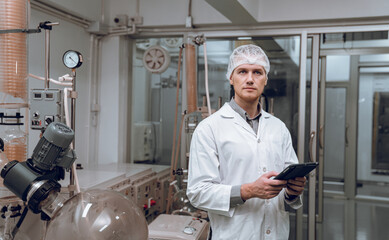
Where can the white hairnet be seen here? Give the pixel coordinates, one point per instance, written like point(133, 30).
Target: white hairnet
point(247, 54)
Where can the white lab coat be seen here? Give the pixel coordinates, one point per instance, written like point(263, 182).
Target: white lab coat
point(225, 152)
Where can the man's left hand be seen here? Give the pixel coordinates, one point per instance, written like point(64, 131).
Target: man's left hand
point(295, 187)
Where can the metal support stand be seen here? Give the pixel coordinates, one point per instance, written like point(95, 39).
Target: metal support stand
point(48, 26)
point(73, 96)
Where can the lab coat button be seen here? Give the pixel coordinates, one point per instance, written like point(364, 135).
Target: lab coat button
point(268, 231)
point(264, 169)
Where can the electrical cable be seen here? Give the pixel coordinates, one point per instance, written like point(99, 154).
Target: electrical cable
point(206, 79)
point(76, 182)
point(19, 223)
point(51, 80)
point(66, 106)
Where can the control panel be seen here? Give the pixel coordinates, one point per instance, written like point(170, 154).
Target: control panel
point(175, 227)
point(46, 106)
point(146, 186)
point(162, 189)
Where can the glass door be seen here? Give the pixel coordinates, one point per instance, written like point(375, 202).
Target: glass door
point(353, 108)
point(372, 185)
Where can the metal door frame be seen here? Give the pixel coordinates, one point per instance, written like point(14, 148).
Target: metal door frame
point(350, 164)
point(350, 176)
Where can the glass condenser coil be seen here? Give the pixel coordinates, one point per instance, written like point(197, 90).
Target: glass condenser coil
point(13, 50)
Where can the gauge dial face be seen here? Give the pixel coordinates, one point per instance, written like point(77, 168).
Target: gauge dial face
point(72, 59)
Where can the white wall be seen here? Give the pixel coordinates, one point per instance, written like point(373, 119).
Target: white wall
point(284, 10)
point(113, 101)
point(90, 9)
point(63, 37)
point(109, 98)
point(174, 12)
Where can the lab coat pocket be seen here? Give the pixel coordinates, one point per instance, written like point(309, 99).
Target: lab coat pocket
point(282, 225)
point(243, 228)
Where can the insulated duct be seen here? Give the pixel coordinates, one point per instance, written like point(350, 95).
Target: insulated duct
point(191, 77)
point(13, 51)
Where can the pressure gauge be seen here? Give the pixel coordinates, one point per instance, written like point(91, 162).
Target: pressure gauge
point(72, 59)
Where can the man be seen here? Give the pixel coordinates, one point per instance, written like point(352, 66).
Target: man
point(234, 154)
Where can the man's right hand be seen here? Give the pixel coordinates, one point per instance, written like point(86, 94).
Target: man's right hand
point(264, 187)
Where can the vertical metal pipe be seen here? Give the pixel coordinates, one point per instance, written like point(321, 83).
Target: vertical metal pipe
point(47, 58)
point(350, 168)
point(271, 106)
point(219, 102)
point(313, 130)
point(322, 137)
point(73, 104)
point(301, 123)
point(73, 123)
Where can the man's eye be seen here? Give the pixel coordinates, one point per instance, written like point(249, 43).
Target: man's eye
point(242, 71)
point(258, 72)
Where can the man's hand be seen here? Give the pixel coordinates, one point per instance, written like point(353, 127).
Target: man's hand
point(295, 187)
point(264, 187)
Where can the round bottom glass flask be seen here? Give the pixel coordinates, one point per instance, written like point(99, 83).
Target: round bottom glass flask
point(181, 204)
point(98, 215)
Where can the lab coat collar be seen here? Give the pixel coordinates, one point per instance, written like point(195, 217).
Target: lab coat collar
point(228, 112)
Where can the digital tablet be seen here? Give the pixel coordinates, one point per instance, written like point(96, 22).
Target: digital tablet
point(296, 170)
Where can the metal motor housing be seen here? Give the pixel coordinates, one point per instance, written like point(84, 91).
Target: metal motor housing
point(52, 147)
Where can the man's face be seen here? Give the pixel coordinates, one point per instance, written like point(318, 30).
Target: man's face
point(248, 80)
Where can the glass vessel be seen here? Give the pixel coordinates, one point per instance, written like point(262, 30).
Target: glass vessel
point(3, 161)
point(181, 204)
point(99, 215)
point(15, 143)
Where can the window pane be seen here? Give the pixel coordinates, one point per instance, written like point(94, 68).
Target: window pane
point(338, 68)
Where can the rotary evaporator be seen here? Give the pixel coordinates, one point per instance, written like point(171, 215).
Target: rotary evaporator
point(32, 185)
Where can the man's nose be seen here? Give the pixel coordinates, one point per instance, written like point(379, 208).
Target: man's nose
point(250, 78)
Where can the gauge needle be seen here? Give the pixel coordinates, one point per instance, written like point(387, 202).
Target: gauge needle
point(72, 59)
